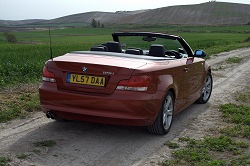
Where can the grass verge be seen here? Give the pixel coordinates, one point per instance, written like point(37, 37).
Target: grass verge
point(234, 60)
point(4, 161)
point(46, 143)
point(18, 103)
point(205, 152)
point(244, 97)
point(239, 115)
point(222, 149)
point(22, 156)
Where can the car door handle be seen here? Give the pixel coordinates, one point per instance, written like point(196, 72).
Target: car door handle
point(186, 69)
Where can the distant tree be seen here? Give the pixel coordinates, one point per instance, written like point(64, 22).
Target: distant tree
point(94, 23)
point(10, 37)
point(98, 24)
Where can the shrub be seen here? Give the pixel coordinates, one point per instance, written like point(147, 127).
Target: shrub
point(10, 37)
point(247, 39)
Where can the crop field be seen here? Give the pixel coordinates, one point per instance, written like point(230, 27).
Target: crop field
point(22, 62)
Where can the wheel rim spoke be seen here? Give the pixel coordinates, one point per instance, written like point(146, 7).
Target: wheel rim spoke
point(167, 112)
point(207, 88)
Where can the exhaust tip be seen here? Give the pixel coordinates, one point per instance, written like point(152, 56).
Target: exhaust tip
point(48, 115)
point(52, 116)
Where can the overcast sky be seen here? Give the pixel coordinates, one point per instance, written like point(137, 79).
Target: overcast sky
point(49, 9)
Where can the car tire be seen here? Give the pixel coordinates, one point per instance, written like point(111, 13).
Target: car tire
point(206, 90)
point(163, 121)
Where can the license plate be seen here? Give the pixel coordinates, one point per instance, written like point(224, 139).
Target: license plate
point(86, 80)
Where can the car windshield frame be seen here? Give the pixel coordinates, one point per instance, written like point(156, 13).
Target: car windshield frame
point(117, 35)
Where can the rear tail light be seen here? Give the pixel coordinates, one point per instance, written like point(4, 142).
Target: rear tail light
point(47, 75)
point(135, 83)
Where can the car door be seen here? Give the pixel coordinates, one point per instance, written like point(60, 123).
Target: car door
point(194, 76)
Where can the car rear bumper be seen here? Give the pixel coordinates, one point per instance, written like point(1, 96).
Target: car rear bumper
point(121, 107)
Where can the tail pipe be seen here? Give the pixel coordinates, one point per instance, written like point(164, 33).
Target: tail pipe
point(50, 115)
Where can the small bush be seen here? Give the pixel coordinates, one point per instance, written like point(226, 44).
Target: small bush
point(4, 161)
point(234, 60)
point(47, 143)
point(172, 145)
point(247, 39)
point(239, 114)
point(10, 37)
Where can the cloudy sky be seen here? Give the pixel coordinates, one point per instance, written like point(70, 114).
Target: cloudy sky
point(49, 9)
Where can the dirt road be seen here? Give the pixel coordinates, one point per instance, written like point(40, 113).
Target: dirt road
point(79, 143)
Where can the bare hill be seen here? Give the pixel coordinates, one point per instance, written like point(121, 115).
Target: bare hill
point(210, 13)
point(19, 22)
point(87, 18)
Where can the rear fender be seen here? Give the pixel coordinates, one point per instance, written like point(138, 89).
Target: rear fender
point(166, 84)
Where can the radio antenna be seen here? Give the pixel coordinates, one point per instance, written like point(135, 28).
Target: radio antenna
point(51, 57)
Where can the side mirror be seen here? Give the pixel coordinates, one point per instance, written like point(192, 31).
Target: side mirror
point(199, 53)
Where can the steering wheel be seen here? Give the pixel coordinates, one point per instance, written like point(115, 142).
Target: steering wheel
point(174, 53)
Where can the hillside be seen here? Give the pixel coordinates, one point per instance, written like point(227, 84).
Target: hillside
point(86, 18)
point(19, 22)
point(210, 13)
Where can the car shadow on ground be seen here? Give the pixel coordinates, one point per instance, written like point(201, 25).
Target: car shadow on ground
point(98, 142)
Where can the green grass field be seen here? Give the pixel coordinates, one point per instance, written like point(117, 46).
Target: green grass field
point(23, 62)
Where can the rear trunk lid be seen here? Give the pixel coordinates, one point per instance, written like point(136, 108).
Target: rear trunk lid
point(91, 73)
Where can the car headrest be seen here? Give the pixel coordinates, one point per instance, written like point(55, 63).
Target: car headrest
point(114, 46)
point(157, 50)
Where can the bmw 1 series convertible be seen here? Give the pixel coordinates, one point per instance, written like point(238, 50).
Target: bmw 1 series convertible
point(138, 79)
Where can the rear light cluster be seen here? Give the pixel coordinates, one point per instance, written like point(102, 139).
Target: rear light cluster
point(135, 83)
point(47, 75)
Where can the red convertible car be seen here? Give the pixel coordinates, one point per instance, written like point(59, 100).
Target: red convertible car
point(138, 79)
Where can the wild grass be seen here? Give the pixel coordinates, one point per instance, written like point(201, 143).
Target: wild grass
point(4, 161)
point(22, 156)
point(23, 63)
point(234, 60)
point(172, 145)
point(240, 116)
point(222, 149)
point(46, 143)
point(18, 106)
point(244, 96)
point(203, 152)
